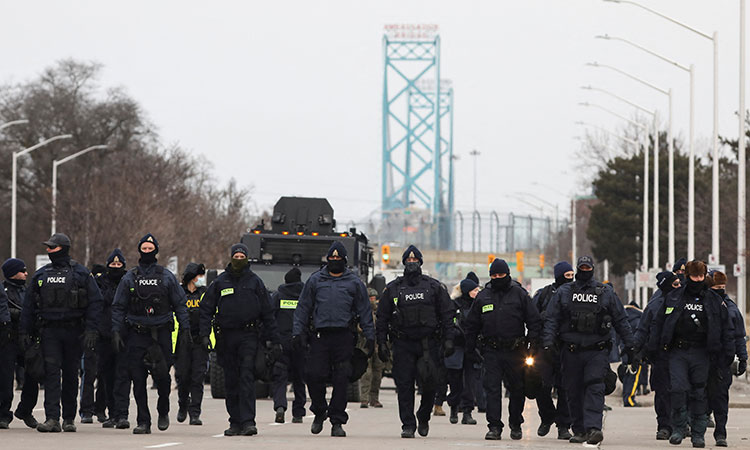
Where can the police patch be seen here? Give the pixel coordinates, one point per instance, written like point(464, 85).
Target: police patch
point(288, 304)
point(488, 308)
point(669, 310)
point(227, 291)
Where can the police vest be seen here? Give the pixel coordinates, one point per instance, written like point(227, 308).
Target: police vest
point(59, 291)
point(149, 296)
point(415, 306)
point(193, 307)
point(692, 325)
point(585, 312)
point(238, 303)
point(503, 315)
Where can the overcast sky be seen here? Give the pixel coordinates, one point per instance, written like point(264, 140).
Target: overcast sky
point(286, 96)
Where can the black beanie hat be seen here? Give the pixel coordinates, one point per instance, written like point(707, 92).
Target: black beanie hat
point(192, 270)
point(116, 255)
point(337, 249)
point(239, 248)
point(679, 265)
point(562, 268)
point(293, 276)
point(473, 277)
point(12, 266)
point(412, 252)
point(149, 238)
point(468, 285)
point(499, 266)
point(664, 280)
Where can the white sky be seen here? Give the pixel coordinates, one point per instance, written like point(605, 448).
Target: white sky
point(286, 95)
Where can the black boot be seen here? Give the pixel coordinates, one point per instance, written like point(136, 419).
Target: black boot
point(423, 428)
point(543, 429)
point(337, 430)
point(563, 433)
point(87, 418)
point(163, 422)
point(493, 434)
point(142, 428)
point(249, 430)
point(317, 425)
point(663, 434)
point(279, 415)
point(407, 433)
point(68, 426)
point(122, 424)
point(233, 430)
point(49, 426)
point(595, 437)
point(515, 432)
point(195, 420)
point(29, 420)
point(578, 438)
point(467, 419)
point(181, 414)
point(454, 415)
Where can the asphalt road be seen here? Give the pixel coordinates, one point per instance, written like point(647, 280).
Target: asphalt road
point(625, 428)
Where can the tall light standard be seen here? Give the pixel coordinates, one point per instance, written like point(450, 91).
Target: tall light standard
point(670, 147)
point(13, 202)
point(740, 270)
point(57, 163)
point(714, 38)
point(475, 214)
point(655, 125)
point(13, 122)
point(691, 157)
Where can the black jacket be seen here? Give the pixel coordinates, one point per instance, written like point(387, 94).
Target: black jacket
point(284, 302)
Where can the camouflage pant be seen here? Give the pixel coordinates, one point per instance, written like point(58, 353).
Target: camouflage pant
point(369, 384)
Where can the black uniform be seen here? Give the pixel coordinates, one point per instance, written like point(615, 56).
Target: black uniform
point(550, 367)
point(284, 302)
point(63, 301)
point(580, 316)
point(416, 313)
point(630, 380)
point(695, 328)
point(501, 315)
point(191, 358)
point(143, 311)
point(14, 355)
point(7, 363)
point(236, 304)
point(462, 367)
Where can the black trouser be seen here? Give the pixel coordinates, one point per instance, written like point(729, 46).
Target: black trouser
point(504, 366)
point(191, 363)
point(661, 386)
point(329, 359)
point(236, 351)
point(406, 352)
point(550, 369)
point(719, 382)
point(62, 349)
point(290, 368)
point(462, 382)
point(688, 373)
point(583, 378)
point(137, 345)
point(121, 383)
point(89, 364)
point(11, 357)
point(105, 368)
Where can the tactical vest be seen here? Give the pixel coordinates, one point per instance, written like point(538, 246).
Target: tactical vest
point(692, 325)
point(585, 312)
point(238, 303)
point(415, 307)
point(58, 290)
point(149, 296)
point(193, 307)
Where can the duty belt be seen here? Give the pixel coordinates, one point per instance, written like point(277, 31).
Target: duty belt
point(248, 326)
point(63, 323)
point(146, 329)
point(602, 345)
point(684, 344)
point(505, 344)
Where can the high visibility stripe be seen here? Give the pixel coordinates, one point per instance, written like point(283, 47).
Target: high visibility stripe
point(635, 386)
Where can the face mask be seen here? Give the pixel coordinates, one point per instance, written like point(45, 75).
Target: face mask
point(694, 287)
point(59, 256)
point(667, 289)
point(412, 269)
point(239, 264)
point(336, 266)
point(500, 284)
point(115, 273)
point(562, 280)
point(721, 292)
point(200, 282)
point(147, 258)
point(17, 282)
point(681, 276)
point(584, 275)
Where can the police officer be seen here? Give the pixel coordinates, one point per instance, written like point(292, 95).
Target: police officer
point(551, 368)
point(720, 377)
point(191, 356)
point(284, 302)
point(63, 301)
point(501, 314)
point(145, 301)
point(332, 299)
point(461, 371)
point(631, 377)
point(694, 326)
point(113, 388)
point(679, 269)
point(418, 313)
point(648, 343)
point(582, 314)
point(369, 384)
point(236, 303)
point(7, 363)
point(15, 274)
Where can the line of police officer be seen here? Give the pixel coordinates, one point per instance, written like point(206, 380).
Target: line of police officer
point(687, 328)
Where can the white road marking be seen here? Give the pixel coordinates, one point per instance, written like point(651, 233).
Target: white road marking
point(168, 444)
point(218, 435)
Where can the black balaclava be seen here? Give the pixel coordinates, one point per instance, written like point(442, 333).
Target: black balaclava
point(694, 287)
point(116, 273)
point(336, 266)
point(664, 281)
point(61, 256)
point(499, 266)
point(584, 275)
point(561, 269)
point(412, 270)
point(150, 257)
point(722, 292)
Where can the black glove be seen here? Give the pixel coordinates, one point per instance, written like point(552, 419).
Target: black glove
point(299, 342)
point(206, 343)
point(118, 344)
point(741, 367)
point(383, 353)
point(370, 347)
point(24, 340)
point(277, 351)
point(90, 337)
point(448, 348)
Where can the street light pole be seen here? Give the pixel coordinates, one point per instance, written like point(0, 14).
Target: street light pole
point(13, 122)
point(14, 188)
point(740, 269)
point(57, 163)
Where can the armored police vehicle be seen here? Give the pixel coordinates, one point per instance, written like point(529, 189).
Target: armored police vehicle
point(299, 235)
